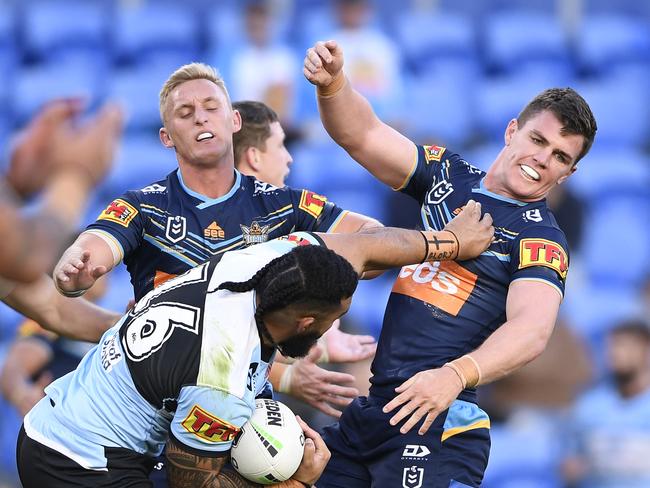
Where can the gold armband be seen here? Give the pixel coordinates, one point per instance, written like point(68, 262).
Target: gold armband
point(334, 87)
point(467, 370)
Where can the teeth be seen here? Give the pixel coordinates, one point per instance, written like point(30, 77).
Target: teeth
point(530, 172)
point(204, 135)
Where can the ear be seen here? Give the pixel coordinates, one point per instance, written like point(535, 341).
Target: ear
point(511, 128)
point(562, 179)
point(236, 121)
point(165, 138)
point(305, 323)
point(252, 157)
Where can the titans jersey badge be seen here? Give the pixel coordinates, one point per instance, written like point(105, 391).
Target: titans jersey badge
point(255, 234)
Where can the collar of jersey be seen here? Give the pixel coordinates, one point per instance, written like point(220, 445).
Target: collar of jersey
point(207, 202)
point(481, 189)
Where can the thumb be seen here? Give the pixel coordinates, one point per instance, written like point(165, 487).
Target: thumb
point(98, 271)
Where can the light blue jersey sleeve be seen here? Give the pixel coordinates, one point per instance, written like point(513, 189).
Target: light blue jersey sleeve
point(207, 420)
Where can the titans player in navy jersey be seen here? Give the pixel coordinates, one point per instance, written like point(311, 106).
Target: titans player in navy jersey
point(451, 326)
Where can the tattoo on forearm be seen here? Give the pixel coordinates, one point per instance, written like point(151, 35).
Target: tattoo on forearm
point(439, 249)
point(185, 469)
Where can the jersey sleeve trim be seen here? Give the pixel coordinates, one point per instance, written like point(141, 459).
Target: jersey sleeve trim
point(116, 248)
point(338, 220)
point(199, 452)
point(414, 166)
point(542, 280)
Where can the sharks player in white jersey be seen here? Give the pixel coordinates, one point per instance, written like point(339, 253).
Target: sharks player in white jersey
point(184, 366)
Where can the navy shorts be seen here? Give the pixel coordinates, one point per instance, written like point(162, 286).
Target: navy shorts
point(367, 452)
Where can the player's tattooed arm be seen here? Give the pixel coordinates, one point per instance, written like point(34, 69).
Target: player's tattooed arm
point(187, 469)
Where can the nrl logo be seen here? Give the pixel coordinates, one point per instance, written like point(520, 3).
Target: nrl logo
point(176, 229)
point(255, 234)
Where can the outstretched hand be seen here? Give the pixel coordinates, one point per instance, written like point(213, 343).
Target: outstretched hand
point(319, 387)
point(323, 62)
point(75, 272)
point(347, 348)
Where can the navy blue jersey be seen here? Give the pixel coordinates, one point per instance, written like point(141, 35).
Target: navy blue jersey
point(165, 228)
point(439, 311)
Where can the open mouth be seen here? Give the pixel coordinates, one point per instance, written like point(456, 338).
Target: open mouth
point(530, 172)
point(203, 136)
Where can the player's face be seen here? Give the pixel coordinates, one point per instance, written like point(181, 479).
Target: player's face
point(300, 344)
point(537, 157)
point(627, 355)
point(274, 159)
point(199, 123)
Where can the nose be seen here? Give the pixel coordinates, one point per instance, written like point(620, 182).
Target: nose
point(200, 116)
point(542, 157)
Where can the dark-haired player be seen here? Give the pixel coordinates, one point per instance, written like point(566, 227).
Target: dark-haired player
point(450, 327)
point(185, 365)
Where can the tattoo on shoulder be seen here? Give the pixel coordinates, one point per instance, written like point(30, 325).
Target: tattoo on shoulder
point(185, 469)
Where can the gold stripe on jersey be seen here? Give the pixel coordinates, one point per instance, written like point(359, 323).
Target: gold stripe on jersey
point(481, 424)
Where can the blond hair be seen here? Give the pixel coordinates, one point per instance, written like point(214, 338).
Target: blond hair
point(188, 72)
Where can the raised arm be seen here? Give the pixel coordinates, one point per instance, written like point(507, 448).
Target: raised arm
point(75, 318)
point(464, 237)
point(351, 122)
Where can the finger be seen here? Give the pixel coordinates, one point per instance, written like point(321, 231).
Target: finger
point(327, 409)
point(69, 269)
point(487, 218)
point(336, 378)
point(394, 403)
point(61, 277)
point(314, 355)
point(341, 401)
point(309, 432)
point(406, 410)
point(85, 256)
point(365, 339)
point(414, 419)
point(428, 421)
point(322, 50)
point(308, 74)
point(404, 386)
point(98, 271)
point(310, 66)
point(314, 58)
point(343, 391)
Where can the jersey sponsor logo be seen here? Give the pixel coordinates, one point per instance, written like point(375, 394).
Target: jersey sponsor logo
point(255, 234)
point(533, 215)
point(214, 232)
point(433, 153)
point(119, 211)
point(415, 451)
point(209, 427)
point(176, 229)
point(155, 188)
point(312, 203)
point(439, 192)
point(542, 252)
point(446, 285)
point(412, 477)
point(110, 353)
point(263, 187)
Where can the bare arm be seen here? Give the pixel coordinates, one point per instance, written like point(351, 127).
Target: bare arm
point(465, 237)
point(531, 310)
point(350, 121)
point(187, 469)
point(26, 357)
point(88, 258)
point(355, 222)
point(75, 318)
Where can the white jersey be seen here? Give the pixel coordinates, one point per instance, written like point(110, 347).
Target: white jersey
point(187, 361)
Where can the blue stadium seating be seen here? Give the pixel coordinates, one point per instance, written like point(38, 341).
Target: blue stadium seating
point(514, 38)
point(52, 29)
point(149, 31)
point(627, 40)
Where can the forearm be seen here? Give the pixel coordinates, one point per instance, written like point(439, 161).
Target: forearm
point(510, 347)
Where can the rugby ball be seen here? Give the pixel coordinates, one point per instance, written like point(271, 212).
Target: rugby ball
point(269, 447)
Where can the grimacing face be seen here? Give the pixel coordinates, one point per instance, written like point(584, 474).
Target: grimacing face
point(199, 123)
point(538, 156)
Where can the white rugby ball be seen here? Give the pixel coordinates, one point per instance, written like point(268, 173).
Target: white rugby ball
point(270, 445)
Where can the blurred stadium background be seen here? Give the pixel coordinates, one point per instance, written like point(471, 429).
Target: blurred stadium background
point(449, 72)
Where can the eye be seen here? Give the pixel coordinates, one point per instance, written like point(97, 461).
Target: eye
point(561, 158)
point(536, 140)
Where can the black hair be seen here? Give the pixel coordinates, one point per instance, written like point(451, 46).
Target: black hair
point(309, 276)
point(636, 327)
point(571, 110)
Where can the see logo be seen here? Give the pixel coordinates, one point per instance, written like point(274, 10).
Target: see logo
point(540, 252)
point(214, 231)
point(208, 427)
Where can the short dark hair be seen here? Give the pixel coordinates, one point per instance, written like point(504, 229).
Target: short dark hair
point(256, 118)
point(309, 276)
point(570, 109)
point(635, 327)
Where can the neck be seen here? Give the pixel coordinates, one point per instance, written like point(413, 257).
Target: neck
point(211, 181)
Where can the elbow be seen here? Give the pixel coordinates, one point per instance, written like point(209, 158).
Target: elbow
point(537, 344)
